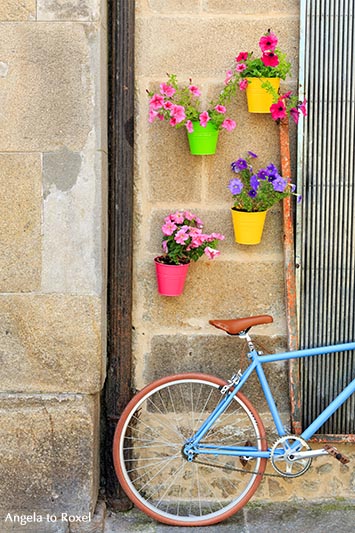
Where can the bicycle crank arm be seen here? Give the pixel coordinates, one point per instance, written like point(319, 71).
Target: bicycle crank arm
point(296, 456)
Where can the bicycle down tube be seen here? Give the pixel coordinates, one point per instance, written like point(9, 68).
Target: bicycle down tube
point(257, 362)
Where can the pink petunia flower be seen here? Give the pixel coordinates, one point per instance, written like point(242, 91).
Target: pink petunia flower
point(204, 118)
point(270, 59)
point(173, 121)
point(240, 67)
point(211, 252)
point(181, 236)
point(228, 124)
point(278, 110)
point(189, 126)
point(243, 84)
point(177, 217)
point(217, 236)
point(156, 102)
point(189, 216)
point(178, 113)
point(164, 245)
point(168, 228)
point(268, 42)
point(194, 90)
point(152, 115)
point(229, 76)
point(167, 90)
point(220, 108)
point(168, 105)
point(243, 56)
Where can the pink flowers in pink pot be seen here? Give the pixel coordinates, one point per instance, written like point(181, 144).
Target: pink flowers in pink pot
point(184, 239)
point(180, 106)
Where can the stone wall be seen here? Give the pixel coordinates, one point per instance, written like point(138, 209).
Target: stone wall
point(52, 271)
point(199, 39)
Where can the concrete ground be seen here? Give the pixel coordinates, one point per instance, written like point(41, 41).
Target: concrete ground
point(298, 517)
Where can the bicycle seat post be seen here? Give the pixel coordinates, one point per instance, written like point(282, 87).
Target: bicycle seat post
point(245, 335)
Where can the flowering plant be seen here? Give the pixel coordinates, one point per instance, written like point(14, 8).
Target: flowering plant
point(184, 240)
point(181, 106)
point(271, 64)
point(257, 190)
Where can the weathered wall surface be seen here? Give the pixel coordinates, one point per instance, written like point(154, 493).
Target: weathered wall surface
point(52, 280)
point(199, 39)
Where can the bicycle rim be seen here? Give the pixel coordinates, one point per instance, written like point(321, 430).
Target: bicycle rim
point(152, 469)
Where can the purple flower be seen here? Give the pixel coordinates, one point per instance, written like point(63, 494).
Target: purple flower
point(299, 198)
point(279, 184)
point(262, 174)
point(252, 193)
point(252, 154)
point(235, 186)
point(254, 182)
point(240, 164)
point(272, 170)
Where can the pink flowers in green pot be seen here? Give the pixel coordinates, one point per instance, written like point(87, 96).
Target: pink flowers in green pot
point(272, 63)
point(184, 239)
point(180, 106)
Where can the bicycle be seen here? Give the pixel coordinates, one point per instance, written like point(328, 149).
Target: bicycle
point(191, 450)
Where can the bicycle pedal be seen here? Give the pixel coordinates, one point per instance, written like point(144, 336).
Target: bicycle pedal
point(334, 452)
point(243, 460)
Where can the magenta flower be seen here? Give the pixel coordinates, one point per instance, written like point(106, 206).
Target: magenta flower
point(168, 228)
point(220, 109)
point(228, 124)
point(268, 42)
point(211, 253)
point(189, 126)
point(270, 59)
point(178, 113)
point(167, 90)
point(168, 105)
point(243, 56)
point(243, 84)
point(156, 102)
point(164, 245)
point(240, 67)
point(302, 108)
point(177, 217)
point(194, 90)
point(294, 114)
point(204, 118)
point(278, 110)
point(173, 121)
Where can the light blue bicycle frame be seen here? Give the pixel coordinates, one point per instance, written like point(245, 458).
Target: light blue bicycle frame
point(257, 361)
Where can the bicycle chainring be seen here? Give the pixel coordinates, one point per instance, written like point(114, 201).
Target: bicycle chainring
point(282, 458)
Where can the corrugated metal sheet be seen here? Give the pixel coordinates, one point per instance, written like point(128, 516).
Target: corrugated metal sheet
point(325, 240)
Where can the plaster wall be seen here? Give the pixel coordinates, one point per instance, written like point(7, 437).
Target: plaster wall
point(52, 249)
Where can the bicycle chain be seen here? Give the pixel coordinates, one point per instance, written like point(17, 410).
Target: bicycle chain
point(243, 470)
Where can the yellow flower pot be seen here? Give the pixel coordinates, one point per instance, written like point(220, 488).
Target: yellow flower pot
point(259, 100)
point(248, 227)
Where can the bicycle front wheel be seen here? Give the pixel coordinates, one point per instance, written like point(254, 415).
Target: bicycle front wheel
point(149, 459)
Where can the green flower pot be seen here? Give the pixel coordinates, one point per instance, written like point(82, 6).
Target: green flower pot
point(203, 141)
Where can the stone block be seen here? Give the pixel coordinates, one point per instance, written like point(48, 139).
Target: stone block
point(48, 447)
point(46, 94)
point(50, 343)
point(174, 175)
point(76, 10)
point(20, 230)
point(17, 10)
point(201, 46)
point(215, 289)
point(245, 7)
point(174, 6)
point(221, 356)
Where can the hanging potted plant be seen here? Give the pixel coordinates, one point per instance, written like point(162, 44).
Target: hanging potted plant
point(183, 242)
point(181, 107)
point(260, 78)
point(254, 193)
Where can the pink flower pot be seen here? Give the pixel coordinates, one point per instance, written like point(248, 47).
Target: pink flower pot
point(170, 278)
